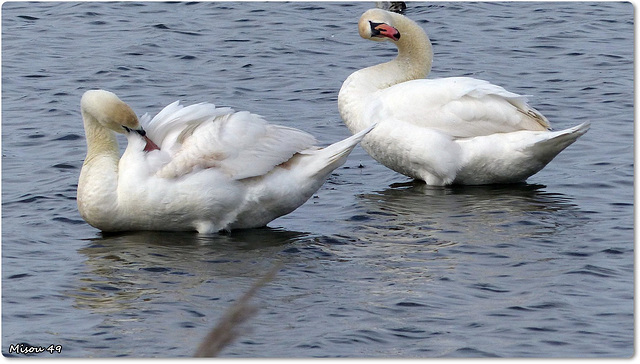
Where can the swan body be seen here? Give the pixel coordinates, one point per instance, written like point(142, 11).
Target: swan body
point(450, 130)
point(196, 168)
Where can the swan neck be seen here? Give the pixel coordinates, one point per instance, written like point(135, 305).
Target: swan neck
point(100, 140)
point(415, 53)
point(97, 195)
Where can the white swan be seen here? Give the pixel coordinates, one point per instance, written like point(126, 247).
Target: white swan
point(442, 131)
point(196, 168)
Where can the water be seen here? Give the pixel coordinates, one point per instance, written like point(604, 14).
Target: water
point(373, 265)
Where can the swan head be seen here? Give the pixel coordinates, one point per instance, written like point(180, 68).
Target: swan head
point(414, 47)
point(378, 25)
point(109, 111)
point(114, 114)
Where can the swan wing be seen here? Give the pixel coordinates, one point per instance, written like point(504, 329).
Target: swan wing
point(459, 106)
point(167, 125)
point(240, 144)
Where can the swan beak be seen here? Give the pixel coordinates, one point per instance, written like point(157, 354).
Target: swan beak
point(150, 146)
point(384, 30)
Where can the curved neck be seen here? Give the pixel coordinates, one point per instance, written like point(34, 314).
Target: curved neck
point(414, 49)
point(98, 182)
point(100, 140)
point(413, 62)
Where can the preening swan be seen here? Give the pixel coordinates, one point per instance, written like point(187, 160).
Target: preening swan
point(442, 131)
point(196, 168)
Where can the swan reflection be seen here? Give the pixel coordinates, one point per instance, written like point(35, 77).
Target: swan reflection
point(414, 211)
point(127, 269)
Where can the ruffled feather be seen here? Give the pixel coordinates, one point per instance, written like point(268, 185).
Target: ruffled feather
point(241, 144)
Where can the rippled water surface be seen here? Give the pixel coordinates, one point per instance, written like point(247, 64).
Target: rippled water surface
point(373, 265)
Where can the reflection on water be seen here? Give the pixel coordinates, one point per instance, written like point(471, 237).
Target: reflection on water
point(411, 212)
point(238, 239)
point(127, 268)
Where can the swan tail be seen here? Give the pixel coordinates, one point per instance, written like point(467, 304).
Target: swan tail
point(335, 155)
point(549, 147)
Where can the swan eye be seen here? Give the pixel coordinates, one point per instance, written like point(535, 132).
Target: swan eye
point(141, 132)
point(375, 32)
point(384, 30)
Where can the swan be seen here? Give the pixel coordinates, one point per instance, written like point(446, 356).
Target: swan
point(456, 130)
point(195, 168)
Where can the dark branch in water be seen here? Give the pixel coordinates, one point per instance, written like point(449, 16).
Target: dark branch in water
point(228, 328)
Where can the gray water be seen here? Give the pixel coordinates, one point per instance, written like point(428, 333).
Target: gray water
point(374, 265)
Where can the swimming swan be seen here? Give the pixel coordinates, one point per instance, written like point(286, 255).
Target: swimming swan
point(196, 168)
point(451, 130)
